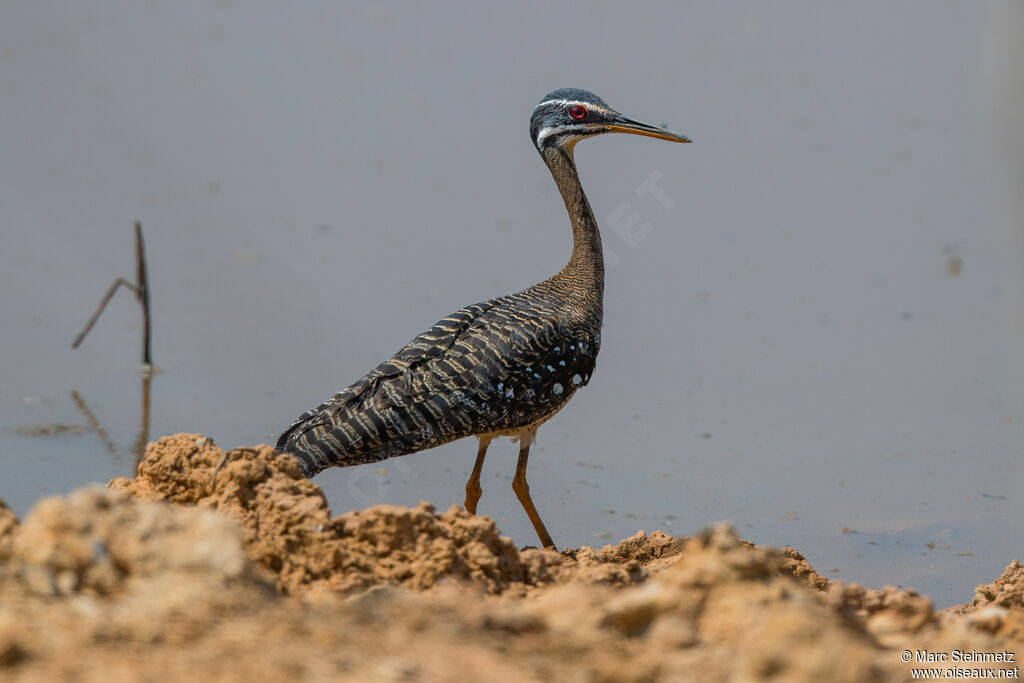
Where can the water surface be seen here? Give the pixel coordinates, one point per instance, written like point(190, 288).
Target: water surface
point(812, 329)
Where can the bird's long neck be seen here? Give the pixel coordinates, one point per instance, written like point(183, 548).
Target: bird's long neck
point(585, 269)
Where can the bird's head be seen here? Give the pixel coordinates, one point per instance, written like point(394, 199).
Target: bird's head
point(568, 115)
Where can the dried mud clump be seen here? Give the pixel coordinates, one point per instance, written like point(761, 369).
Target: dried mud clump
point(97, 542)
point(796, 565)
point(998, 607)
point(289, 530)
point(1006, 591)
point(8, 525)
point(96, 565)
point(228, 566)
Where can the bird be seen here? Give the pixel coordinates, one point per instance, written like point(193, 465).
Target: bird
point(501, 367)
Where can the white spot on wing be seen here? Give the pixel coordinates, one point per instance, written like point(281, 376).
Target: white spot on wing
point(576, 379)
point(557, 389)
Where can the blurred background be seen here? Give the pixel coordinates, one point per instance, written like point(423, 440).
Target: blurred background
point(813, 328)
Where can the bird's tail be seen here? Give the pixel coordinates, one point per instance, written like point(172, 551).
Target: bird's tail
point(311, 460)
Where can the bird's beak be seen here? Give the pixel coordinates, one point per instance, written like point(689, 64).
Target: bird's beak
point(623, 125)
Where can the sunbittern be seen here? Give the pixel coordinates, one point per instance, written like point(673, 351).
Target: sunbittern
point(498, 368)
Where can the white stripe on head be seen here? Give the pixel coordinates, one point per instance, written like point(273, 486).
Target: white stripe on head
point(547, 131)
point(582, 103)
point(541, 104)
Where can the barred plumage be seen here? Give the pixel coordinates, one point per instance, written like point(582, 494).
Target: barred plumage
point(498, 368)
point(495, 366)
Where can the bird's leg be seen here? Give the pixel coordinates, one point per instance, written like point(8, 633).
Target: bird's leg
point(522, 490)
point(473, 489)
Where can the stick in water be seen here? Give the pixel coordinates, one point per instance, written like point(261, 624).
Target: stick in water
point(141, 291)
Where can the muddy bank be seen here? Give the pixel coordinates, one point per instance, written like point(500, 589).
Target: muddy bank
point(227, 566)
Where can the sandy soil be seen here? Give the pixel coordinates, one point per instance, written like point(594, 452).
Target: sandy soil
point(229, 566)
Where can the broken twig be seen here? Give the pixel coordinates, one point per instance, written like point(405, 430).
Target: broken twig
point(141, 291)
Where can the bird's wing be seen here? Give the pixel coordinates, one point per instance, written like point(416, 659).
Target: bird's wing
point(397, 406)
point(487, 367)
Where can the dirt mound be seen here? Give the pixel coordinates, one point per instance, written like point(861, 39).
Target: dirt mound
point(1006, 591)
point(289, 529)
point(998, 607)
point(97, 566)
point(8, 524)
point(95, 541)
point(229, 567)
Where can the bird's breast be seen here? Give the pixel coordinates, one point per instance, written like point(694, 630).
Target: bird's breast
point(538, 378)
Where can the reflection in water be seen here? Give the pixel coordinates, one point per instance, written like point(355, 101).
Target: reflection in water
point(94, 423)
point(141, 291)
point(49, 429)
point(139, 447)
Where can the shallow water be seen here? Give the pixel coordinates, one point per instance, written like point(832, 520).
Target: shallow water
point(817, 337)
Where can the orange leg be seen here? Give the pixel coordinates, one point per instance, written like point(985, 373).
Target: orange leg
point(473, 489)
point(522, 490)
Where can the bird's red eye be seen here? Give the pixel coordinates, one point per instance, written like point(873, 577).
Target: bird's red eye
point(577, 112)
